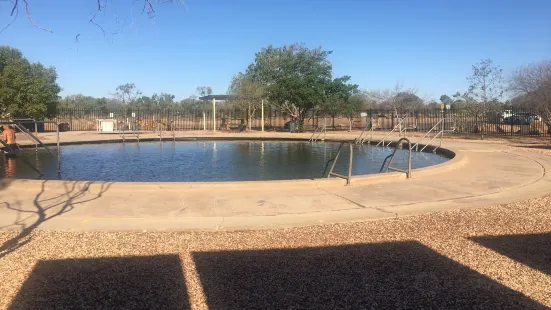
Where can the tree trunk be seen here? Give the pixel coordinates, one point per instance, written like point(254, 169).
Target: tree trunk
point(301, 117)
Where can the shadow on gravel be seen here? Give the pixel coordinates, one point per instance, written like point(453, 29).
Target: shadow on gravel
point(148, 282)
point(543, 147)
point(393, 275)
point(46, 207)
point(533, 250)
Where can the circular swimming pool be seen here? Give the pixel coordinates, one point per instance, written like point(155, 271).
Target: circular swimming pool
point(207, 161)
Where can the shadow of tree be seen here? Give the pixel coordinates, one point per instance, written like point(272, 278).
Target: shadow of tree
point(5, 183)
point(541, 147)
point(44, 211)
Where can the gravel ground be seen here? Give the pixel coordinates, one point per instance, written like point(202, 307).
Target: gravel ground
point(496, 257)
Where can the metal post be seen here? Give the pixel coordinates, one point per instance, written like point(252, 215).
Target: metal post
point(442, 129)
point(160, 132)
point(350, 165)
point(36, 134)
point(204, 121)
point(371, 139)
point(213, 115)
point(262, 125)
point(58, 151)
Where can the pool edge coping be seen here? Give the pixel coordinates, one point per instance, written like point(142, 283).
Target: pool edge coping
point(456, 160)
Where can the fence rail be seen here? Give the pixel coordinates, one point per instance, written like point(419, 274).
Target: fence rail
point(510, 122)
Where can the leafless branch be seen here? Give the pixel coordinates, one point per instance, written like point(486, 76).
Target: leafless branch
point(15, 7)
point(31, 19)
point(14, 18)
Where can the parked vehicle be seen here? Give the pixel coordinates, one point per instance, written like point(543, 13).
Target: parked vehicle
point(518, 119)
point(533, 116)
point(507, 113)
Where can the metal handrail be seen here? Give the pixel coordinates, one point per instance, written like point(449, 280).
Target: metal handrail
point(22, 157)
point(33, 137)
point(319, 132)
point(38, 141)
point(391, 156)
point(121, 130)
point(416, 145)
point(334, 160)
point(173, 132)
point(360, 139)
point(388, 134)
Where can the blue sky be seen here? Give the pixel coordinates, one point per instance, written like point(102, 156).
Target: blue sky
point(426, 44)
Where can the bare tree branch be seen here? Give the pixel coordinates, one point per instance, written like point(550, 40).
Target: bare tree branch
point(14, 18)
point(15, 7)
point(148, 8)
point(31, 19)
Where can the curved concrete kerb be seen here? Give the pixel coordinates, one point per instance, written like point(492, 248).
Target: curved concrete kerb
point(478, 174)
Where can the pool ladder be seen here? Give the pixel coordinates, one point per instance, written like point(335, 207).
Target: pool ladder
point(391, 157)
point(361, 139)
point(317, 133)
point(398, 128)
point(37, 141)
point(348, 177)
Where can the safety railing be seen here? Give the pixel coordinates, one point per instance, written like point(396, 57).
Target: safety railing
point(37, 142)
point(440, 133)
point(399, 125)
point(173, 131)
point(348, 177)
point(317, 133)
point(361, 139)
point(391, 157)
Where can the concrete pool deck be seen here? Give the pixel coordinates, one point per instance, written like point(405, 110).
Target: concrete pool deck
point(481, 174)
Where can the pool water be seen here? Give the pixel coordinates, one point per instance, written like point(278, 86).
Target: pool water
point(193, 161)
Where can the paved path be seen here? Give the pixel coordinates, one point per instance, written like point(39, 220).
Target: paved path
point(481, 174)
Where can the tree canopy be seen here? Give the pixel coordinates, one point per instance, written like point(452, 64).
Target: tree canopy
point(297, 79)
point(26, 89)
point(486, 82)
point(532, 87)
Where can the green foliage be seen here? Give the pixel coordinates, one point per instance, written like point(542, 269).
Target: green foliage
point(445, 99)
point(298, 79)
point(26, 89)
point(486, 82)
point(127, 93)
point(247, 94)
point(295, 77)
point(338, 94)
point(80, 101)
point(204, 90)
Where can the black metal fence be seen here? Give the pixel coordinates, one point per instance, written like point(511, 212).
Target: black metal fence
point(512, 122)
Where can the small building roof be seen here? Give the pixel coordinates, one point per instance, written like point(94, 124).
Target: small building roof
point(217, 97)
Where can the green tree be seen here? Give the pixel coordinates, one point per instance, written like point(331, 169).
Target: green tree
point(338, 99)
point(247, 94)
point(26, 89)
point(127, 93)
point(531, 86)
point(445, 99)
point(191, 103)
point(486, 83)
point(296, 78)
point(406, 101)
point(204, 91)
point(81, 101)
